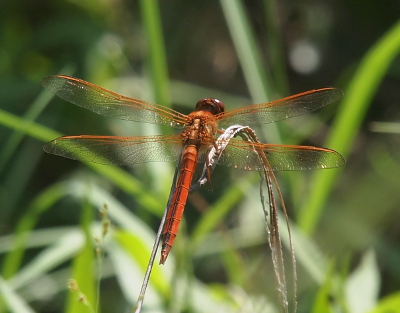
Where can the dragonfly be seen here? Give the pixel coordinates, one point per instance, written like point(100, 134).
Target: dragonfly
point(191, 146)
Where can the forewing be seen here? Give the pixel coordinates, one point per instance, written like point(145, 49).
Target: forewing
point(117, 150)
point(111, 104)
point(246, 155)
point(292, 106)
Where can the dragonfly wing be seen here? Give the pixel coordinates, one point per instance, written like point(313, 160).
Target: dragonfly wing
point(117, 150)
point(111, 104)
point(246, 155)
point(270, 112)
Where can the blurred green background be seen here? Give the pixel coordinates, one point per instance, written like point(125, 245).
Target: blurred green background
point(345, 222)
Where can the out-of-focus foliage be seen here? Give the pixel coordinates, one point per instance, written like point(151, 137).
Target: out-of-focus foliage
point(346, 223)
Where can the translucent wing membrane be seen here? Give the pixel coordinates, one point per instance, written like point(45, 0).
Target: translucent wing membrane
point(238, 153)
point(265, 113)
point(117, 150)
point(243, 155)
point(108, 103)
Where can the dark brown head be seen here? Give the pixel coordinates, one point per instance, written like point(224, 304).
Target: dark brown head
point(211, 105)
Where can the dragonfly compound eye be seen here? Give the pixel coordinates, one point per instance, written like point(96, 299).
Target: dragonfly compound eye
point(214, 106)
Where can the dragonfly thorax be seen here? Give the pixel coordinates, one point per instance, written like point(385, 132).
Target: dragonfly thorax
point(201, 127)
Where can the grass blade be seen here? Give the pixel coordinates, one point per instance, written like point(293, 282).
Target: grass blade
point(83, 267)
point(14, 302)
point(119, 177)
point(247, 50)
point(353, 108)
point(157, 58)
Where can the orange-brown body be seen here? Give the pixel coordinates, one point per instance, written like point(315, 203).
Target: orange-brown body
point(178, 202)
point(200, 130)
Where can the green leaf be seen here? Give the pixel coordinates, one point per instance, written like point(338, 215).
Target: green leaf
point(362, 286)
point(322, 302)
point(388, 304)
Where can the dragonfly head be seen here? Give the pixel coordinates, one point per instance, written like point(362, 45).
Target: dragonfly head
point(214, 106)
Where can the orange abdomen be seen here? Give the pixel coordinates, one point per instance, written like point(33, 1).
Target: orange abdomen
point(178, 202)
